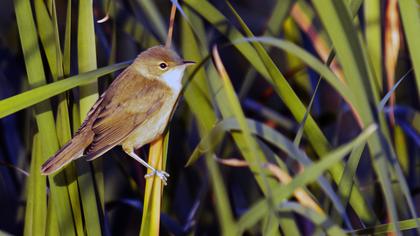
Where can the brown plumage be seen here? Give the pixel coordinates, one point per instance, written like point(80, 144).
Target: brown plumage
point(133, 111)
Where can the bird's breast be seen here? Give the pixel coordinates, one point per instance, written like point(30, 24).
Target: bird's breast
point(154, 125)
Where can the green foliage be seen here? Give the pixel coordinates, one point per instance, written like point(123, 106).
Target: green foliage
point(339, 146)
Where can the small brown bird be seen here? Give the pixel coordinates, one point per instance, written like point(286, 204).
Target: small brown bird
point(132, 112)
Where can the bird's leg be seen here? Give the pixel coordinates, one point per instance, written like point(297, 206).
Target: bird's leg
point(159, 173)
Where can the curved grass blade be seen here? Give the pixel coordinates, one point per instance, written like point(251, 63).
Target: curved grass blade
point(299, 134)
point(387, 96)
point(313, 132)
point(36, 95)
point(196, 91)
point(255, 156)
point(271, 136)
point(307, 58)
point(320, 220)
point(388, 228)
point(297, 71)
point(310, 174)
point(363, 210)
point(286, 93)
point(274, 26)
point(352, 54)
point(197, 95)
point(270, 114)
point(347, 179)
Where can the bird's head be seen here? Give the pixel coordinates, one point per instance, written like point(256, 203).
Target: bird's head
point(158, 62)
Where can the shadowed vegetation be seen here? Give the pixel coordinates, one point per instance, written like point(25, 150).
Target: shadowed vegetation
point(298, 118)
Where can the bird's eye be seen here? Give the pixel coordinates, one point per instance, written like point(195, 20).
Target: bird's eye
point(163, 65)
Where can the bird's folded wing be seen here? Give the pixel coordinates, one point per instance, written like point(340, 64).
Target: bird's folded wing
point(125, 110)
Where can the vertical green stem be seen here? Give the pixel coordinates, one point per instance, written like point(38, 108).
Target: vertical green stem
point(86, 48)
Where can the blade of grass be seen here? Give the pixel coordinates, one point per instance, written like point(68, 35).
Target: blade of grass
point(278, 16)
point(352, 55)
point(401, 149)
point(86, 48)
point(44, 117)
point(307, 58)
point(36, 95)
point(373, 35)
point(385, 99)
point(139, 34)
point(310, 174)
point(391, 48)
point(299, 134)
point(28, 226)
point(320, 220)
point(153, 191)
point(92, 199)
point(63, 123)
point(284, 90)
point(270, 114)
point(347, 179)
point(287, 222)
point(229, 104)
point(154, 16)
point(48, 38)
point(223, 207)
point(198, 98)
point(388, 228)
point(301, 77)
point(53, 227)
point(273, 28)
point(291, 100)
point(196, 91)
point(304, 16)
point(35, 220)
point(357, 200)
point(410, 17)
point(49, 33)
point(283, 177)
point(255, 157)
point(271, 136)
point(40, 200)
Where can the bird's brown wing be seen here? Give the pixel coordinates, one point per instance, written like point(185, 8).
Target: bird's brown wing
point(127, 104)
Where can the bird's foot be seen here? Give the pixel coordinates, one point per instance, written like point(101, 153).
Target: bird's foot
point(159, 173)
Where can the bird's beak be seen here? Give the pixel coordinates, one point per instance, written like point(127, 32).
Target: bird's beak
point(188, 63)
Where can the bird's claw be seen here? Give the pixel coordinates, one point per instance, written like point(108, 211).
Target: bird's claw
point(159, 173)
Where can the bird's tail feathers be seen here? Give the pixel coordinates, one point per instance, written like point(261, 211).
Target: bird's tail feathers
point(70, 151)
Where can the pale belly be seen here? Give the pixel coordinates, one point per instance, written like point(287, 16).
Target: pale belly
point(152, 128)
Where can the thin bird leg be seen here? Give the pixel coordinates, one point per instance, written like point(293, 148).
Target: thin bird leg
point(159, 173)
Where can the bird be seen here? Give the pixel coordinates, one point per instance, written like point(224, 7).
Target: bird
point(134, 111)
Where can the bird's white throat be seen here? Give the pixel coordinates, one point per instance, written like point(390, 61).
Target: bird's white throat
point(173, 78)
